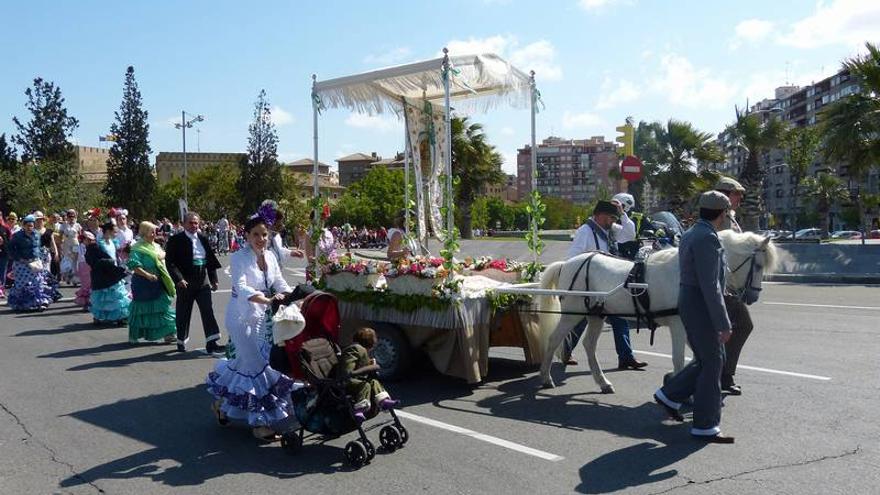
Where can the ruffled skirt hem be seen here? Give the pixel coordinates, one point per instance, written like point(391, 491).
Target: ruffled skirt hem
point(261, 400)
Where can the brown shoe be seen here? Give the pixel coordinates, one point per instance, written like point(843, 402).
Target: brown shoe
point(719, 438)
point(630, 364)
point(571, 362)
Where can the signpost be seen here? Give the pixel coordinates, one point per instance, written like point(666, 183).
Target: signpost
point(631, 168)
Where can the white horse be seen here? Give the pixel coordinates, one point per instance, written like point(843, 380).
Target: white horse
point(748, 256)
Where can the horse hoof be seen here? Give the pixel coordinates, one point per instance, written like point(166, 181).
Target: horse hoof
point(607, 389)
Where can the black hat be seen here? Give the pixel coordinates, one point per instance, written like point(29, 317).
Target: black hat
point(606, 207)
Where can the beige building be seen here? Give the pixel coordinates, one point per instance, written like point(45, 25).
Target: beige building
point(169, 164)
point(354, 167)
point(306, 166)
point(92, 163)
point(327, 187)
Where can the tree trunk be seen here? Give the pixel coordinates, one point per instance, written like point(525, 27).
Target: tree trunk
point(752, 206)
point(467, 231)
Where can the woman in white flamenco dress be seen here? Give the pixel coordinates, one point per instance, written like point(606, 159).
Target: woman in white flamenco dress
point(246, 387)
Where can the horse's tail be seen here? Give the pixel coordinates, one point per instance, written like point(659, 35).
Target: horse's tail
point(549, 306)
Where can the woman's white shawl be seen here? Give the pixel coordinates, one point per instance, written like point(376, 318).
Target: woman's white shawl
point(247, 281)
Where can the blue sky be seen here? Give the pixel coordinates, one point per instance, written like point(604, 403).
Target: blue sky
point(597, 61)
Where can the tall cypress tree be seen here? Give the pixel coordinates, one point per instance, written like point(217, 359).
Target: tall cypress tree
point(260, 176)
point(130, 180)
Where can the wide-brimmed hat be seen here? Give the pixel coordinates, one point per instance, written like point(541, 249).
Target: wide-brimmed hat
point(38, 214)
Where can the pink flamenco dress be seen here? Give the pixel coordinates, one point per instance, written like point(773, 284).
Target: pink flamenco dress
point(84, 272)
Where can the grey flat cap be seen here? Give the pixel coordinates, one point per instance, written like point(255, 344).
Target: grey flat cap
point(728, 184)
point(714, 200)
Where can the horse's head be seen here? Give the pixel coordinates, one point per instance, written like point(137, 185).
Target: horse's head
point(749, 256)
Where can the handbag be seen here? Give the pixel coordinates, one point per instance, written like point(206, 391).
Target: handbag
point(36, 266)
point(145, 290)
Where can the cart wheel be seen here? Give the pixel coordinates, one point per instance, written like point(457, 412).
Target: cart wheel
point(291, 442)
point(390, 438)
point(404, 435)
point(371, 449)
point(355, 454)
point(392, 351)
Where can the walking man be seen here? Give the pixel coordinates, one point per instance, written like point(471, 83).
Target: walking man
point(193, 267)
point(737, 311)
point(602, 233)
point(702, 310)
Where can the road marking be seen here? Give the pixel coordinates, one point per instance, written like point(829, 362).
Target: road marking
point(481, 436)
point(753, 368)
point(873, 308)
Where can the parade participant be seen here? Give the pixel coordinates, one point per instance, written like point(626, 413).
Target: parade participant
point(326, 248)
point(84, 272)
point(246, 387)
point(399, 245)
point(151, 316)
point(602, 233)
point(70, 232)
point(12, 222)
point(366, 391)
point(223, 235)
point(702, 310)
point(193, 266)
point(737, 310)
point(31, 291)
point(124, 236)
point(5, 234)
point(48, 253)
point(275, 219)
point(109, 300)
point(629, 249)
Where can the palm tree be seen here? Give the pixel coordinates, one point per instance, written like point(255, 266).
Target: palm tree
point(801, 143)
point(670, 154)
point(757, 136)
point(475, 164)
point(851, 126)
point(825, 190)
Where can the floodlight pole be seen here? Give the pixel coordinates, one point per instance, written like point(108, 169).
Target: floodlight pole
point(450, 225)
point(533, 90)
point(182, 125)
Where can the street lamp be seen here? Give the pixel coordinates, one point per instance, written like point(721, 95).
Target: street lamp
point(182, 125)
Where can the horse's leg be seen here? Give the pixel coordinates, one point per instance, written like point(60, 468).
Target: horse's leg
point(679, 339)
point(566, 323)
point(594, 329)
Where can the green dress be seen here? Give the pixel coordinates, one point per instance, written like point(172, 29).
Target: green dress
point(152, 319)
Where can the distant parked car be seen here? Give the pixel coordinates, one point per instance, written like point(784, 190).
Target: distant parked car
point(808, 234)
point(874, 234)
point(781, 234)
point(846, 234)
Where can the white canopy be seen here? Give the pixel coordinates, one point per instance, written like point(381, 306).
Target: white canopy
point(481, 82)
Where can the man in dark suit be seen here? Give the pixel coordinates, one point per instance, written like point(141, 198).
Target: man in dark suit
point(193, 266)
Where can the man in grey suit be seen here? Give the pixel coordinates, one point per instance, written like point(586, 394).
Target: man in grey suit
point(702, 310)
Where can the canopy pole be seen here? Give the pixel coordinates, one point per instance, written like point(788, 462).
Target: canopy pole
point(534, 161)
point(315, 133)
point(406, 166)
point(450, 225)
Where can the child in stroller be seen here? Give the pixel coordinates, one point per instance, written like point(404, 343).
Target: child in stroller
point(365, 389)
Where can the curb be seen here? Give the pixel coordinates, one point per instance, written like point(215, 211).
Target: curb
point(824, 278)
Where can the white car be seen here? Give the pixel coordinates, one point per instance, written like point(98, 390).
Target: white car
point(808, 234)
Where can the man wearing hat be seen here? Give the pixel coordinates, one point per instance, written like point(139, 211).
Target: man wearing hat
point(702, 310)
point(602, 233)
point(737, 310)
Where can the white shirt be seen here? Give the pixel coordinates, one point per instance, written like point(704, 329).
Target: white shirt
point(124, 236)
point(198, 249)
point(584, 240)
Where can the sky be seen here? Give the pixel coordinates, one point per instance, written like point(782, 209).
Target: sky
point(596, 61)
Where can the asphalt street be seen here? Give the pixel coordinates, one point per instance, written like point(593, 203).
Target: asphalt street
point(82, 411)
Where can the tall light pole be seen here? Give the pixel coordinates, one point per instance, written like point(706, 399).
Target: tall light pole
point(182, 125)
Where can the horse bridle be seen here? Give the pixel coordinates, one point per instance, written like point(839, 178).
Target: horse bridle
point(753, 263)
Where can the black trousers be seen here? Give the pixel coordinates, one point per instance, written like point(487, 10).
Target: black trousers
point(202, 297)
point(741, 321)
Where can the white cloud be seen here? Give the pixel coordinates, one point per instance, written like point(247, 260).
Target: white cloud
point(390, 57)
point(373, 122)
point(289, 156)
point(689, 86)
point(839, 22)
point(281, 116)
point(539, 56)
point(751, 31)
point(616, 93)
point(509, 165)
point(507, 131)
point(594, 5)
point(583, 120)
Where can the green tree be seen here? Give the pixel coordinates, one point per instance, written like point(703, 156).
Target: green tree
point(825, 190)
point(374, 201)
point(475, 163)
point(480, 213)
point(166, 199)
point(292, 204)
point(756, 136)
point(851, 126)
point(44, 145)
point(500, 213)
point(670, 153)
point(213, 190)
point(130, 180)
point(260, 173)
point(802, 145)
point(9, 170)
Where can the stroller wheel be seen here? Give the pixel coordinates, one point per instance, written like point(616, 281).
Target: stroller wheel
point(291, 442)
point(390, 438)
point(404, 435)
point(371, 449)
point(355, 454)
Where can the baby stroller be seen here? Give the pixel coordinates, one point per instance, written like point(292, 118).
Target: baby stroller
point(323, 407)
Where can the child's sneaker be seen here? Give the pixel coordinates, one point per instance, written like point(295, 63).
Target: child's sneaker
point(387, 404)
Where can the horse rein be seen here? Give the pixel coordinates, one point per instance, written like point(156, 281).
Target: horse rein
point(753, 258)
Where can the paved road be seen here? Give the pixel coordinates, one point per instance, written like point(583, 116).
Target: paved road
point(83, 412)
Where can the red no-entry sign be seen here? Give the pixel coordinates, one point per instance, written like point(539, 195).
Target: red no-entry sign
point(631, 168)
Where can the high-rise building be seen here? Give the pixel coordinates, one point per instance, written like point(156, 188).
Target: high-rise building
point(572, 169)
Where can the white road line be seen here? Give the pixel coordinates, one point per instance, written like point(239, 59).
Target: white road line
point(753, 368)
point(873, 308)
point(481, 436)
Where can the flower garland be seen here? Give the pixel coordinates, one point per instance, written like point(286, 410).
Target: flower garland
point(347, 264)
point(421, 267)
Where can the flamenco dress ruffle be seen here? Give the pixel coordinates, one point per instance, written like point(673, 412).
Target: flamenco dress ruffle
point(31, 289)
point(151, 320)
point(261, 399)
point(111, 304)
point(84, 292)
